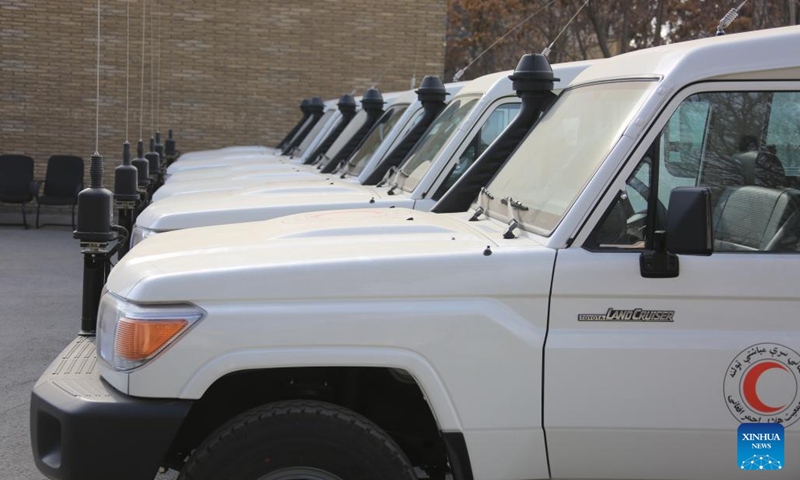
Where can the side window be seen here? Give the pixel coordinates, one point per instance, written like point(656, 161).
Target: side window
point(497, 122)
point(682, 145)
point(744, 146)
point(624, 224)
point(783, 132)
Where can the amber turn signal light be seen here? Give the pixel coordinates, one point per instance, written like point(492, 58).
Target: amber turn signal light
point(140, 339)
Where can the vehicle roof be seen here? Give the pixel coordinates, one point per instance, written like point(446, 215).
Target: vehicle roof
point(567, 72)
point(389, 97)
point(406, 97)
point(481, 85)
point(708, 58)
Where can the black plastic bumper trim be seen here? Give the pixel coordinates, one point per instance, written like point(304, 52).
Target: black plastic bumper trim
point(84, 429)
point(457, 452)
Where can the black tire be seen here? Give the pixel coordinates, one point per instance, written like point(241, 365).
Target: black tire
point(293, 440)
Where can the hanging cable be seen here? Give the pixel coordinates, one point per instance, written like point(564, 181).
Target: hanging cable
point(416, 57)
point(97, 93)
point(158, 74)
point(141, 93)
point(127, 63)
point(169, 87)
point(460, 73)
point(546, 51)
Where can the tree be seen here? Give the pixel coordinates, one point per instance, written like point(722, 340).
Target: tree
point(602, 29)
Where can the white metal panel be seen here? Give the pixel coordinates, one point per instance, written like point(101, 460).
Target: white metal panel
point(684, 63)
point(640, 385)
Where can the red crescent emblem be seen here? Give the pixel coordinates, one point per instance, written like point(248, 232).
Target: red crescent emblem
point(749, 383)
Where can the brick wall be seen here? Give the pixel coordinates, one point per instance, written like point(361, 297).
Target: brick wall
point(232, 72)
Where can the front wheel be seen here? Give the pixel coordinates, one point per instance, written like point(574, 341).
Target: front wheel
point(298, 440)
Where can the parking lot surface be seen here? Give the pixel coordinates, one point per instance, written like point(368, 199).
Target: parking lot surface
point(40, 308)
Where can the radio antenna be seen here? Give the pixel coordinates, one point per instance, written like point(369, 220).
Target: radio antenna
point(416, 57)
point(547, 50)
point(158, 74)
point(460, 73)
point(127, 66)
point(152, 71)
point(385, 71)
point(141, 91)
point(97, 91)
point(729, 17)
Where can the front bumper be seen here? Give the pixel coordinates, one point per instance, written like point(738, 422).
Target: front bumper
point(84, 429)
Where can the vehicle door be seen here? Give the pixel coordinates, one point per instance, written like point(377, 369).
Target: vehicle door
point(651, 377)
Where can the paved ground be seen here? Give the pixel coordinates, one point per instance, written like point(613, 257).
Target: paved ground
point(40, 306)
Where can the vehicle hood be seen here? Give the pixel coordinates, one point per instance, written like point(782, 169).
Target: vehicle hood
point(238, 182)
point(256, 204)
point(222, 160)
point(233, 169)
point(330, 254)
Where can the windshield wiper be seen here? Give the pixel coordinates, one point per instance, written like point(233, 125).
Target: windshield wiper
point(346, 167)
point(322, 159)
point(515, 204)
point(477, 215)
point(480, 210)
point(512, 225)
point(389, 174)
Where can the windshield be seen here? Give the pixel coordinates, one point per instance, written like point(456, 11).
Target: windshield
point(348, 133)
point(435, 138)
point(314, 132)
point(491, 129)
point(378, 134)
point(301, 130)
point(554, 163)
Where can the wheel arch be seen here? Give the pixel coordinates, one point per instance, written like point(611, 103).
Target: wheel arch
point(423, 373)
point(398, 390)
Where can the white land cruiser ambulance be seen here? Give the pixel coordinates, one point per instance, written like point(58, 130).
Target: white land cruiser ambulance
point(399, 118)
point(348, 126)
point(253, 149)
point(303, 138)
point(622, 301)
point(472, 120)
point(312, 109)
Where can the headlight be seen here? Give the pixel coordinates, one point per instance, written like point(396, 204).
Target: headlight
point(139, 234)
point(130, 335)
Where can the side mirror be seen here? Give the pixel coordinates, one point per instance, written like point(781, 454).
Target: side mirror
point(688, 232)
point(689, 224)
